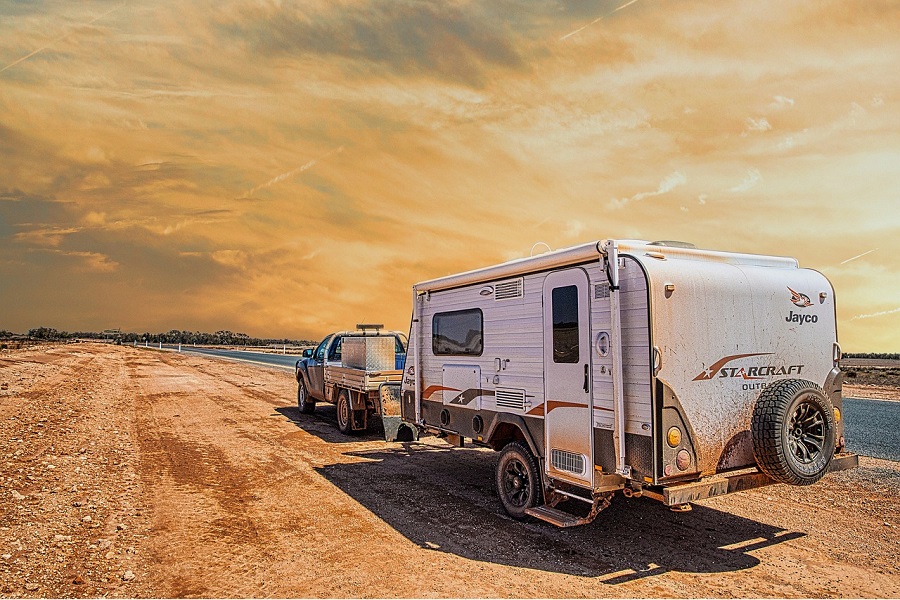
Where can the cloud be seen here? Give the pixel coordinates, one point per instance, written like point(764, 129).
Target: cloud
point(761, 124)
point(456, 43)
point(782, 102)
point(844, 262)
point(750, 181)
point(668, 183)
point(877, 314)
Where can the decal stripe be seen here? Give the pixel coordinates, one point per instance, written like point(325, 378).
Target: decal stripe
point(552, 404)
point(469, 395)
point(431, 389)
point(537, 411)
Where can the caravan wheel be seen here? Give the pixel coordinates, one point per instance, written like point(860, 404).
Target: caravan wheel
point(518, 480)
point(793, 432)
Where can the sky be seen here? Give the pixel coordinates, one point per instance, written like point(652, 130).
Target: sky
point(285, 169)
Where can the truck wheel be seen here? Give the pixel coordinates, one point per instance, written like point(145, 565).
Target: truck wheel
point(304, 402)
point(793, 432)
point(344, 413)
point(518, 480)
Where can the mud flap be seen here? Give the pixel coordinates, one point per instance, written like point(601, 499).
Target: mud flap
point(395, 429)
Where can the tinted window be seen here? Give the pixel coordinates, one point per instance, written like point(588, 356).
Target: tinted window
point(565, 324)
point(335, 352)
point(458, 332)
point(319, 354)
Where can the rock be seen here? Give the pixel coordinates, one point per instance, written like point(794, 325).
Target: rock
point(17, 496)
point(62, 538)
point(120, 527)
point(6, 556)
point(128, 576)
point(103, 544)
point(109, 555)
point(87, 519)
point(31, 586)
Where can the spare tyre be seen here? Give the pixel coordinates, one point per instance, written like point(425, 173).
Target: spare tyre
point(793, 431)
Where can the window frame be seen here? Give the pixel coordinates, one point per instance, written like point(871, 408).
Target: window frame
point(434, 318)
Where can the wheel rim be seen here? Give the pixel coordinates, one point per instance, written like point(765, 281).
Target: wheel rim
point(343, 413)
point(301, 395)
point(516, 481)
point(806, 436)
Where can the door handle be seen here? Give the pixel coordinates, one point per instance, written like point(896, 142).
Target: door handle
point(587, 373)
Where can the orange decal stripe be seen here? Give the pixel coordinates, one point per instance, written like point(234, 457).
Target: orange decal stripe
point(553, 404)
point(431, 389)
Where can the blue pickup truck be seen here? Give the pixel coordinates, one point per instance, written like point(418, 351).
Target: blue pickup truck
point(357, 390)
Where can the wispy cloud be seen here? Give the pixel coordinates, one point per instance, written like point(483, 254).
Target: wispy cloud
point(669, 183)
point(60, 38)
point(878, 314)
point(750, 181)
point(285, 176)
point(597, 20)
point(761, 124)
point(858, 256)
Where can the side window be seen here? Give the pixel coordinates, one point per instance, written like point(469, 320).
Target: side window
point(319, 354)
point(335, 352)
point(460, 332)
point(565, 324)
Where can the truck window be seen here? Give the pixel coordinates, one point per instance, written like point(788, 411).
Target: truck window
point(319, 354)
point(460, 332)
point(335, 352)
point(565, 324)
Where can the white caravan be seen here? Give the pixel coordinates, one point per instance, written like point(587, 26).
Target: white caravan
point(656, 368)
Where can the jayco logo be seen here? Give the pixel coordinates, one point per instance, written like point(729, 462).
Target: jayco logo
point(801, 300)
point(801, 319)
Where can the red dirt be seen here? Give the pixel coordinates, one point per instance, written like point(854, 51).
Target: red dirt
point(201, 478)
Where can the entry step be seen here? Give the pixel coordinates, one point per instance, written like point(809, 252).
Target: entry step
point(555, 516)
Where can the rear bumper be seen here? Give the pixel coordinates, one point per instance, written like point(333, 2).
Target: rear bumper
point(737, 481)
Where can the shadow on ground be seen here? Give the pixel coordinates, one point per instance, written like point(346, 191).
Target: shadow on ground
point(443, 499)
point(323, 424)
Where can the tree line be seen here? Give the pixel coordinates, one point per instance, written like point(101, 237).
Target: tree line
point(175, 336)
point(884, 355)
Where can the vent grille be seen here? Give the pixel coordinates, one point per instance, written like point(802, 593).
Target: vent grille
point(567, 461)
point(509, 289)
point(507, 398)
point(601, 290)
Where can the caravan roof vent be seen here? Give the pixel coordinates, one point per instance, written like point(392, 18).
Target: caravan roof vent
point(514, 288)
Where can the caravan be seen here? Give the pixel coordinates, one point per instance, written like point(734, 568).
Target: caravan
point(656, 369)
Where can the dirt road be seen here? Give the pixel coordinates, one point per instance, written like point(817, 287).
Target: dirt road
point(132, 472)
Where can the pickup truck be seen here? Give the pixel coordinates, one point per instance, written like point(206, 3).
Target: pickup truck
point(360, 388)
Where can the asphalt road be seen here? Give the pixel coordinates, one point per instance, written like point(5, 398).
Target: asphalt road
point(286, 361)
point(872, 427)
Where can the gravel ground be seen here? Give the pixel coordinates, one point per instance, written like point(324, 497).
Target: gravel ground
point(136, 473)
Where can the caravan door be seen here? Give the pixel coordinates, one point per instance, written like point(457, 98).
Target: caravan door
point(567, 378)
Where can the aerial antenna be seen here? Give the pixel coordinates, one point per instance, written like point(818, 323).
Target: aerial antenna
point(549, 249)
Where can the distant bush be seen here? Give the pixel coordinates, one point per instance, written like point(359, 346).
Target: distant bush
point(882, 355)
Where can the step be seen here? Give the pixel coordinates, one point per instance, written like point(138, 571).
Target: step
point(555, 516)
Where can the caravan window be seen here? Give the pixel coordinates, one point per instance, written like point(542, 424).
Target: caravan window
point(458, 332)
point(565, 324)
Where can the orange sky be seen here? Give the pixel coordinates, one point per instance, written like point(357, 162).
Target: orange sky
point(286, 169)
